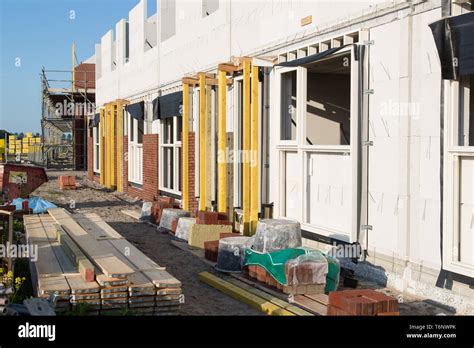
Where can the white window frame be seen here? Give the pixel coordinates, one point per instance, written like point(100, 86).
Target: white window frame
point(176, 149)
point(303, 150)
point(96, 149)
point(453, 154)
point(135, 152)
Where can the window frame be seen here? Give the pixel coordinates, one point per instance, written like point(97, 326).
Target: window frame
point(453, 154)
point(96, 149)
point(135, 168)
point(304, 151)
point(175, 146)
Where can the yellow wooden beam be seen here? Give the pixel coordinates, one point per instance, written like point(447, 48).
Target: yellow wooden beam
point(112, 146)
point(107, 145)
point(119, 145)
point(202, 142)
point(246, 148)
point(102, 146)
point(254, 153)
point(221, 145)
point(185, 140)
point(242, 295)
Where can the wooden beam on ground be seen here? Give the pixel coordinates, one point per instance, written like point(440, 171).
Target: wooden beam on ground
point(242, 295)
point(202, 142)
point(132, 213)
point(77, 257)
point(185, 147)
point(102, 255)
point(275, 300)
point(246, 148)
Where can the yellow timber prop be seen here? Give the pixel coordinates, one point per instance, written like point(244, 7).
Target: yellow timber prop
point(250, 122)
point(111, 144)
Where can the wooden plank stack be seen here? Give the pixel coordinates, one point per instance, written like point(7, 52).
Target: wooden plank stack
point(84, 260)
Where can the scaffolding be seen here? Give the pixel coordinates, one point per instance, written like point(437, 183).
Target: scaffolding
point(67, 99)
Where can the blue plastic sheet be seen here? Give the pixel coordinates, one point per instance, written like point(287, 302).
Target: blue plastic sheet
point(38, 204)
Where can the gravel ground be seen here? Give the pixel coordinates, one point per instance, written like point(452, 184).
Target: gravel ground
point(200, 298)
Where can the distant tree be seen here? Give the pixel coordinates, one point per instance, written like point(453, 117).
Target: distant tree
point(20, 135)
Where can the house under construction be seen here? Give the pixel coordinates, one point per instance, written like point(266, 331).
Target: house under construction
point(67, 97)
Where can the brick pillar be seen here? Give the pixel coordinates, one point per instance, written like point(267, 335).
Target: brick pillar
point(193, 203)
point(90, 156)
point(150, 167)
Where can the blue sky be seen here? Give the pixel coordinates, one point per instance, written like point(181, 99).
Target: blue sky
point(40, 33)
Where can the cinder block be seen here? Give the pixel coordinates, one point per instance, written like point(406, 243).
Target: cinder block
point(198, 234)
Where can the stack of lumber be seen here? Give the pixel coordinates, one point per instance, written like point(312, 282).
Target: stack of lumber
point(83, 259)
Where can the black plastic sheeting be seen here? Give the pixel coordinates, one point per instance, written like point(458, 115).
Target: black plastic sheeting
point(94, 122)
point(454, 39)
point(313, 58)
point(168, 105)
point(136, 110)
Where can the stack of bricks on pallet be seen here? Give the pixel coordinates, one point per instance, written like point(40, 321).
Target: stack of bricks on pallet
point(361, 302)
point(211, 248)
point(82, 260)
point(209, 225)
point(67, 182)
point(158, 206)
point(261, 274)
point(170, 216)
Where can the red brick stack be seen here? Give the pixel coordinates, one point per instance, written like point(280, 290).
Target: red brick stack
point(362, 302)
point(304, 286)
point(211, 248)
point(263, 276)
point(212, 218)
point(67, 182)
point(158, 206)
point(174, 226)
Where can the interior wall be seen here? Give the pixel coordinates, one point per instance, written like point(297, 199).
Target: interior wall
point(328, 109)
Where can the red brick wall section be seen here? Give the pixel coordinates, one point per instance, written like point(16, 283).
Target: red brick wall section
point(193, 203)
point(90, 157)
point(150, 167)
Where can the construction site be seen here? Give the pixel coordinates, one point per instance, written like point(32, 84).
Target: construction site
point(268, 158)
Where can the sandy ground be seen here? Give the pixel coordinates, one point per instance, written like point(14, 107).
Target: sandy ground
point(200, 299)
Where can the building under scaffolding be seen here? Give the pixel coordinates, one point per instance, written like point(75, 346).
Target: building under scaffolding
point(67, 98)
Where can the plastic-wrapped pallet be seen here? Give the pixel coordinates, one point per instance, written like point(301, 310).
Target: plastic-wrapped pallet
point(230, 256)
point(307, 269)
point(169, 215)
point(184, 224)
point(276, 234)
